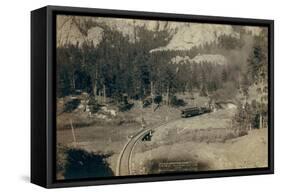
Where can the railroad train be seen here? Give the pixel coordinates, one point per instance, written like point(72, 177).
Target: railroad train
point(147, 136)
point(194, 111)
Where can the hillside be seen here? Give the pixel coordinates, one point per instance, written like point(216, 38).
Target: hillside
point(184, 35)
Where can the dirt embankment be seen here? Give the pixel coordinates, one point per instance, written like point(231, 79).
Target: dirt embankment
point(249, 151)
point(207, 140)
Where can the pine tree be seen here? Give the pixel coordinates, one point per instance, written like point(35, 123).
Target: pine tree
point(257, 68)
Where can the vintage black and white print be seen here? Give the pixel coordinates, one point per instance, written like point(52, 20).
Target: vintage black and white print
point(142, 97)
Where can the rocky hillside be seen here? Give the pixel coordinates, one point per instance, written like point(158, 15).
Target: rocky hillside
point(76, 29)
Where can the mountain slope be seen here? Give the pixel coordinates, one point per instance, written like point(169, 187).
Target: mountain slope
point(80, 29)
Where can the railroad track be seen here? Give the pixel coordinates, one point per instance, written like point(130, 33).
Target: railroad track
point(124, 162)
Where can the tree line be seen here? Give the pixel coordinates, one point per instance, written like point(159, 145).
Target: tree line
point(254, 113)
point(118, 66)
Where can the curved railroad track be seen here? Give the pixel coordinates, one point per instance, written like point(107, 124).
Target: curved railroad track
point(125, 157)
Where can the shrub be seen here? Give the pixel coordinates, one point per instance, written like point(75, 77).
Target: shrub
point(157, 99)
point(242, 133)
point(71, 105)
point(147, 102)
point(228, 136)
point(125, 106)
point(177, 102)
point(93, 105)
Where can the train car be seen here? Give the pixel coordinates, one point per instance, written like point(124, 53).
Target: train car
point(194, 111)
point(147, 136)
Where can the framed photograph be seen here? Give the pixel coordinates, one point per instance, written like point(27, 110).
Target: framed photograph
point(125, 96)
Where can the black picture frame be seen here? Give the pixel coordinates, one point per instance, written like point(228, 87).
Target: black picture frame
point(43, 95)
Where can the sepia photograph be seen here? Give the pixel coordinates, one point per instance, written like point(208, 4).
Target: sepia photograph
point(149, 97)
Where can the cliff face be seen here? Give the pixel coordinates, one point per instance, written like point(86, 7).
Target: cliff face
point(78, 29)
point(184, 36)
point(197, 35)
point(75, 29)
